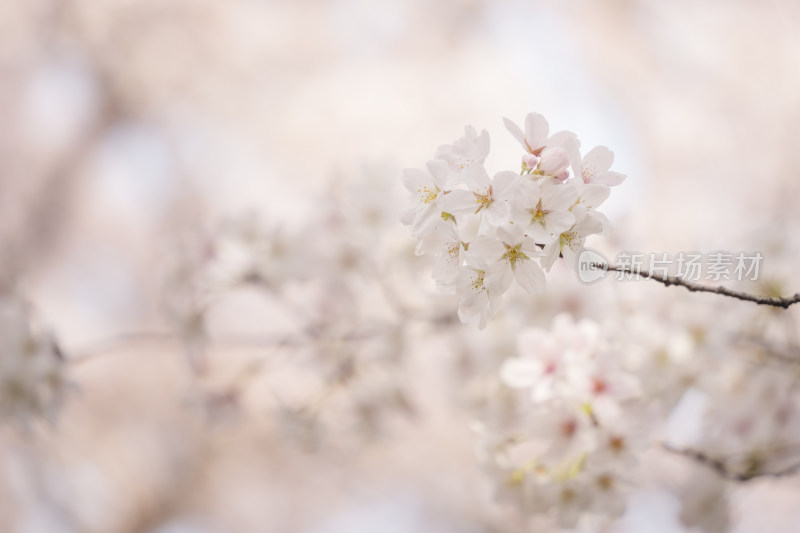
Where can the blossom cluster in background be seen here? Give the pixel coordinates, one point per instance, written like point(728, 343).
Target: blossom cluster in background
point(485, 232)
point(592, 402)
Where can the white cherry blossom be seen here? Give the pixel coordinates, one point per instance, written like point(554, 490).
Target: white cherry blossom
point(486, 196)
point(569, 244)
point(447, 245)
point(552, 155)
point(542, 208)
point(426, 189)
point(595, 165)
point(485, 232)
point(467, 151)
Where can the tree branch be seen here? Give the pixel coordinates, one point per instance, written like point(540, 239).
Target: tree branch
point(720, 466)
point(785, 302)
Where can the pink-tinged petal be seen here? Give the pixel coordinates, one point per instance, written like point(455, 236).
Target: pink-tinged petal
point(485, 251)
point(504, 184)
point(529, 161)
point(520, 373)
point(569, 142)
point(563, 175)
point(514, 130)
point(610, 179)
point(558, 222)
point(592, 195)
point(557, 196)
point(476, 178)
point(536, 129)
point(553, 161)
point(599, 160)
point(440, 172)
point(529, 276)
point(459, 202)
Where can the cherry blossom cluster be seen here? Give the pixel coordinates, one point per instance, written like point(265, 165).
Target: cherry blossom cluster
point(571, 448)
point(580, 410)
point(485, 232)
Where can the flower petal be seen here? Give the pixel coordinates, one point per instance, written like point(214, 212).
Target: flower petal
point(459, 202)
point(610, 179)
point(514, 130)
point(529, 276)
point(536, 129)
point(558, 222)
point(504, 184)
point(476, 178)
point(593, 194)
point(551, 252)
point(414, 179)
point(599, 160)
point(485, 251)
point(557, 196)
point(440, 172)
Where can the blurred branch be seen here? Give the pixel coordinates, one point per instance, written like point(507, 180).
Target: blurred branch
point(104, 347)
point(785, 302)
point(770, 351)
point(721, 467)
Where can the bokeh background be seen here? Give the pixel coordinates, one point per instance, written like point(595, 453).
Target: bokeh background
point(328, 390)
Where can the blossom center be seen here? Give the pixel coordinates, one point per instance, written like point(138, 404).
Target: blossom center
point(538, 214)
point(453, 249)
point(477, 283)
point(484, 199)
point(427, 195)
point(513, 255)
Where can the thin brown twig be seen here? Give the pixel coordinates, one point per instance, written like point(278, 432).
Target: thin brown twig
point(784, 302)
point(720, 466)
